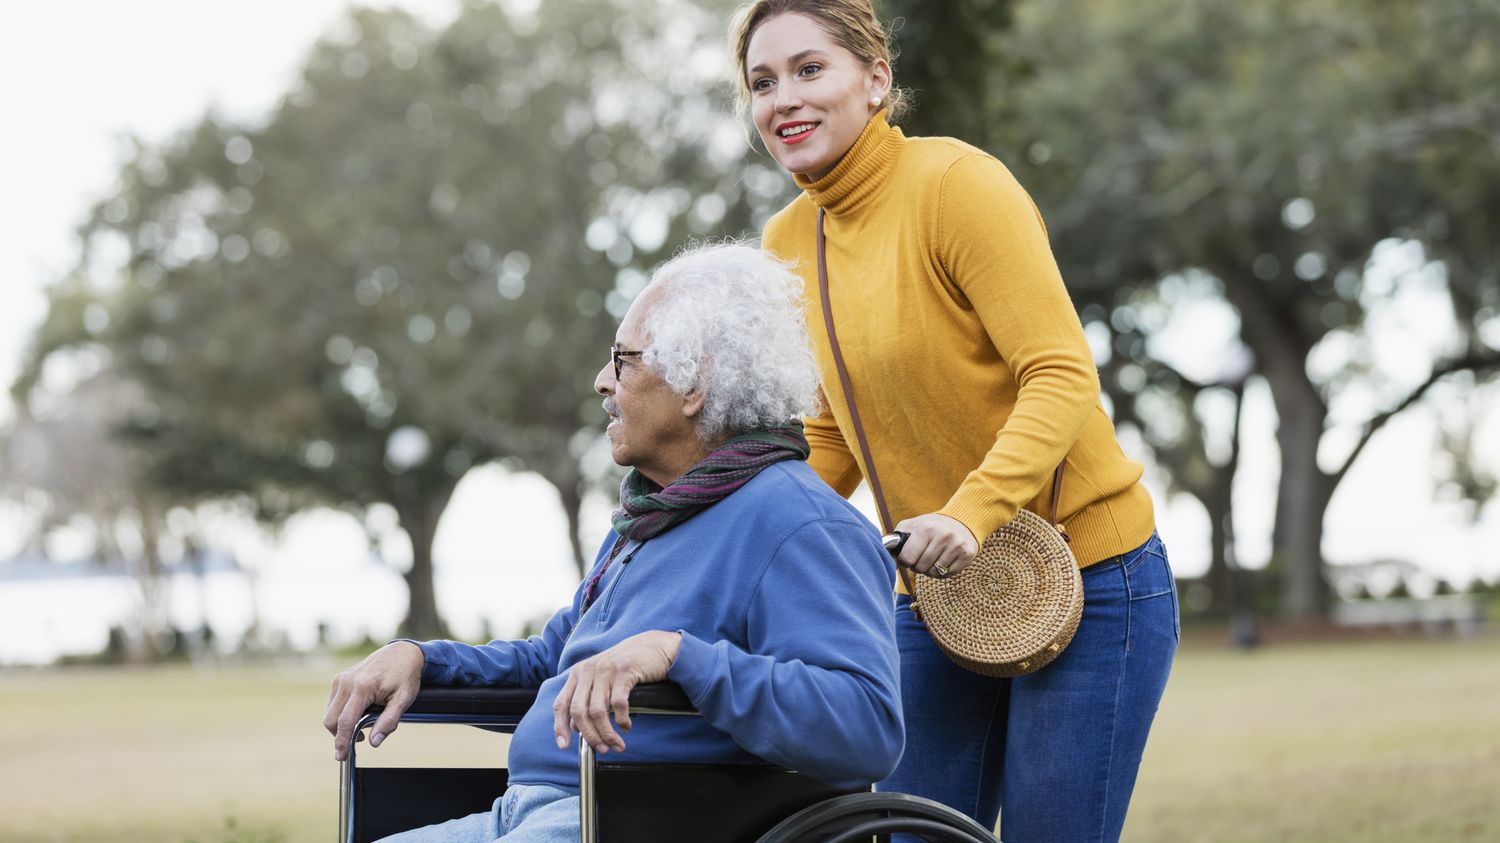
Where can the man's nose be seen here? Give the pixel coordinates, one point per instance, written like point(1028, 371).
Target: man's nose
point(604, 382)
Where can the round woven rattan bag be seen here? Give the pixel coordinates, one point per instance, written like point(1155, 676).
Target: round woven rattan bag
point(1014, 608)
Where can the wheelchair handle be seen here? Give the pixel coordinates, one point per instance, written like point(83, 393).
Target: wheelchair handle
point(894, 541)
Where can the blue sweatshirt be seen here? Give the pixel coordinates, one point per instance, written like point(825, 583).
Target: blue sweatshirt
point(783, 595)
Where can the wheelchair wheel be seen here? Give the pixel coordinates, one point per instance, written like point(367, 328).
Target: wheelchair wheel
point(859, 816)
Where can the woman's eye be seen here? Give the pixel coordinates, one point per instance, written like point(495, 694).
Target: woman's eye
point(761, 84)
point(809, 69)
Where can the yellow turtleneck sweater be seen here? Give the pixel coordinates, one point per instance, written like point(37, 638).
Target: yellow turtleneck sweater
point(965, 354)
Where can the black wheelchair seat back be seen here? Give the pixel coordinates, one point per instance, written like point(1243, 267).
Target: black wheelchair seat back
point(700, 803)
point(393, 799)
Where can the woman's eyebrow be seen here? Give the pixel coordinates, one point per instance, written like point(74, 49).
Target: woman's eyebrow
point(796, 57)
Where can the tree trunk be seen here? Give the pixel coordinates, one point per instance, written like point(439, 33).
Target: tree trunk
point(155, 624)
point(569, 489)
point(1302, 496)
point(1219, 582)
point(420, 508)
point(1271, 328)
point(1223, 567)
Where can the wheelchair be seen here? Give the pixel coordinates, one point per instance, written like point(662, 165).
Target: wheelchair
point(628, 802)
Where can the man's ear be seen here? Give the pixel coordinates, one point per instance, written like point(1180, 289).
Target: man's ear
point(692, 403)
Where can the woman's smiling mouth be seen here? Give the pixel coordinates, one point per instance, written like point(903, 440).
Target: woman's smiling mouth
point(795, 132)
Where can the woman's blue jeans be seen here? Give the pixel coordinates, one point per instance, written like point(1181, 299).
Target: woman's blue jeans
point(1053, 753)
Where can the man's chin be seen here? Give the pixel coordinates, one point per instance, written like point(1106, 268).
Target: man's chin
point(618, 453)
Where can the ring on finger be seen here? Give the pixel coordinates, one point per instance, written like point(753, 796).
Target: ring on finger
point(940, 570)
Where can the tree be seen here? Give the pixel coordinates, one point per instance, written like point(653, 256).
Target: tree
point(1275, 147)
point(81, 475)
point(425, 244)
point(950, 57)
point(1265, 150)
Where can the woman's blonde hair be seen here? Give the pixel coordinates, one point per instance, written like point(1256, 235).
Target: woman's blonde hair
point(852, 24)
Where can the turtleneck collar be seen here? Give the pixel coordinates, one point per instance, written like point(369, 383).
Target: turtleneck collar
point(861, 171)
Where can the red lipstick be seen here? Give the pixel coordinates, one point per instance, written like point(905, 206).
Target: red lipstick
point(798, 137)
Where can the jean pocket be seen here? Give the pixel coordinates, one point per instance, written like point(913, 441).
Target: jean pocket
point(1150, 581)
point(1147, 573)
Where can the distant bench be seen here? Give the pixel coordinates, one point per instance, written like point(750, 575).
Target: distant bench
point(1464, 614)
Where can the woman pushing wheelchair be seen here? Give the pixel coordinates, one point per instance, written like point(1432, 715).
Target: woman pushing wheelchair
point(958, 381)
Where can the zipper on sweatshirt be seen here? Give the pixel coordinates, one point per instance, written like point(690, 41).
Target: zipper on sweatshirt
point(607, 598)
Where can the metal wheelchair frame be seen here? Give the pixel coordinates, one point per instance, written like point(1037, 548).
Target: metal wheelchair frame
point(829, 814)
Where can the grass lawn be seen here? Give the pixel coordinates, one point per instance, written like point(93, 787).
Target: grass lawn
point(1368, 742)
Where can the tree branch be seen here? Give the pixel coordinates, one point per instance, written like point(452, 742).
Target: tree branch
point(1473, 362)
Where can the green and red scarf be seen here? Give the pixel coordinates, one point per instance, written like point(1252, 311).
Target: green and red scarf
point(648, 510)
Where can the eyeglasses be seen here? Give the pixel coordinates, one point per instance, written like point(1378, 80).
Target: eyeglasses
point(615, 353)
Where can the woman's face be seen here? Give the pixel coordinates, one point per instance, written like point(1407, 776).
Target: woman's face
point(810, 98)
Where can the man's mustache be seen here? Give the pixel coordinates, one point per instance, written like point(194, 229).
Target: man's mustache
point(611, 408)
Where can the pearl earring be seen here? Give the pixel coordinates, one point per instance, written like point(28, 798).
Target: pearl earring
point(875, 101)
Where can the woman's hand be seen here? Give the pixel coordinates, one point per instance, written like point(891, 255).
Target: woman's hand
point(939, 545)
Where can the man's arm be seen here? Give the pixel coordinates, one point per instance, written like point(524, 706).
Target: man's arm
point(816, 690)
point(392, 675)
point(524, 663)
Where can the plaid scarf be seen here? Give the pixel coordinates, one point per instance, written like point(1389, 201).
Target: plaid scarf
point(648, 510)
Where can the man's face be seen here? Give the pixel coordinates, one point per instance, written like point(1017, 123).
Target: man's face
point(651, 427)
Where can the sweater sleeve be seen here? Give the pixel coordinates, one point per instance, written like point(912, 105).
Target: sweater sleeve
point(831, 458)
point(816, 690)
point(523, 664)
point(993, 245)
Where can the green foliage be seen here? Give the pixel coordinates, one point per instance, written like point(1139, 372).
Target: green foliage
point(434, 230)
point(1260, 154)
point(949, 57)
point(1269, 150)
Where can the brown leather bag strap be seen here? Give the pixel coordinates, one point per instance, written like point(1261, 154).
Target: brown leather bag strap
point(886, 524)
point(1056, 498)
point(838, 361)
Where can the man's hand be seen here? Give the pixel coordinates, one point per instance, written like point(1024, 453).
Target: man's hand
point(603, 682)
point(939, 545)
point(390, 676)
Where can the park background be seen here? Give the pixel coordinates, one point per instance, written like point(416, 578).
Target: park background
point(302, 304)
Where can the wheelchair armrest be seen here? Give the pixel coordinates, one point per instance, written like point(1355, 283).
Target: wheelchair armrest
point(666, 697)
point(462, 700)
point(515, 702)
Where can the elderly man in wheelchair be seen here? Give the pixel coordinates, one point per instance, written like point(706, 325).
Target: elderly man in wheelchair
point(731, 571)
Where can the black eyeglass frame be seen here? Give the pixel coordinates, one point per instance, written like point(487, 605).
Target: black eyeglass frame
point(615, 353)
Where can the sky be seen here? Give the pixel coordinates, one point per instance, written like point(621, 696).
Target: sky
point(81, 77)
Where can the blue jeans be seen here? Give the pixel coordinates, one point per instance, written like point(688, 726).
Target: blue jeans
point(523, 814)
point(1053, 753)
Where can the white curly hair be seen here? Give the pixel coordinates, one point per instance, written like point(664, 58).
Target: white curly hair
point(728, 319)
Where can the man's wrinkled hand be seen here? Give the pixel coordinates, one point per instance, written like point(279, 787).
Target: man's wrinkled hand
point(390, 676)
point(601, 685)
